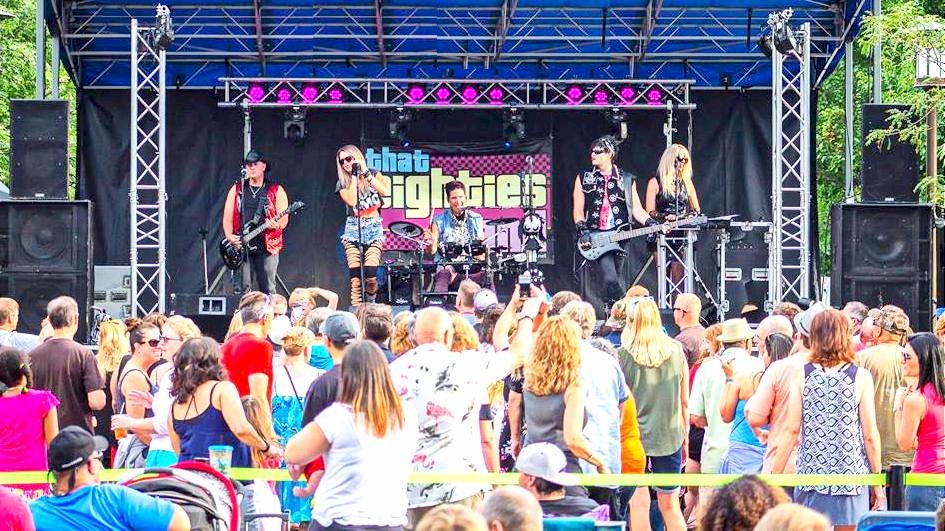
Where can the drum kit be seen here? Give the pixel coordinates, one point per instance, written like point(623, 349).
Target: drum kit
point(471, 258)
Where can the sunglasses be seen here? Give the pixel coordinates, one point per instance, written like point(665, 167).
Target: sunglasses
point(680, 310)
point(167, 339)
point(345, 160)
point(682, 159)
point(598, 152)
point(905, 355)
point(151, 342)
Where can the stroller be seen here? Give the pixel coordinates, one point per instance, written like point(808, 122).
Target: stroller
point(211, 500)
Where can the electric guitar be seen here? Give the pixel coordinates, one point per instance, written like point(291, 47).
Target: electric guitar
point(234, 255)
point(593, 245)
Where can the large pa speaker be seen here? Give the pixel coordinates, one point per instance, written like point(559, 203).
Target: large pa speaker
point(882, 254)
point(890, 169)
point(39, 148)
point(45, 252)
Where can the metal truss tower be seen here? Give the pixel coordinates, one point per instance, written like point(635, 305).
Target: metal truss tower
point(147, 191)
point(790, 250)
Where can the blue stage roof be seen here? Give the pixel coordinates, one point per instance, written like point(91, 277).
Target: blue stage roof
point(707, 41)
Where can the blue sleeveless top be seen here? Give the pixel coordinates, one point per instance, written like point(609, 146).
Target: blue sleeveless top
point(209, 428)
point(741, 430)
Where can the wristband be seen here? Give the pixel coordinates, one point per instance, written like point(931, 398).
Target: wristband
point(267, 448)
point(650, 222)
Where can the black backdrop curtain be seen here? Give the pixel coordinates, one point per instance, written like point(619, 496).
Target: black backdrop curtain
point(731, 152)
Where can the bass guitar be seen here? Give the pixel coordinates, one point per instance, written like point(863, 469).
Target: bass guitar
point(234, 255)
point(593, 245)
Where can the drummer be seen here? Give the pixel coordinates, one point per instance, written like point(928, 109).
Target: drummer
point(456, 234)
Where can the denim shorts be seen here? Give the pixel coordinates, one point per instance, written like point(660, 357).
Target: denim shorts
point(665, 464)
point(924, 498)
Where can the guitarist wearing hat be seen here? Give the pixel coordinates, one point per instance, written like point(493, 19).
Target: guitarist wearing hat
point(252, 202)
point(602, 202)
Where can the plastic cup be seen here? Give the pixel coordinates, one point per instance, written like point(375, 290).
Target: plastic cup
point(120, 433)
point(221, 457)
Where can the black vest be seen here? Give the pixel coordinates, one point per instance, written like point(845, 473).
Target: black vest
point(592, 183)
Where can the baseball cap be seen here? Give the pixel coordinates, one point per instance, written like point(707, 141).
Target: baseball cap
point(72, 447)
point(280, 325)
point(254, 156)
point(545, 461)
point(803, 320)
point(340, 327)
point(483, 299)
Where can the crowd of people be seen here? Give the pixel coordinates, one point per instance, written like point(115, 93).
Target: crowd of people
point(352, 403)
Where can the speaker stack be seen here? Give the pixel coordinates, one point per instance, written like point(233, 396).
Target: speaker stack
point(45, 244)
point(883, 247)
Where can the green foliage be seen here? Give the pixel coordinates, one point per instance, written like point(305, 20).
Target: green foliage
point(18, 78)
point(899, 30)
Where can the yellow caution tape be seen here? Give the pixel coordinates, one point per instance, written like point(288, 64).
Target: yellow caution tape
point(648, 480)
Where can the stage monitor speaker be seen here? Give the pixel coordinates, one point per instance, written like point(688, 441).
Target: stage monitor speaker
point(746, 271)
point(39, 148)
point(211, 313)
point(45, 252)
point(882, 254)
point(891, 169)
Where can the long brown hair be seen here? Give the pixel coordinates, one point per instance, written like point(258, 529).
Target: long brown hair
point(556, 359)
point(197, 362)
point(261, 421)
point(367, 387)
point(831, 340)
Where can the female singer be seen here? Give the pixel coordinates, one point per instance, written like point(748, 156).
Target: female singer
point(670, 194)
point(361, 189)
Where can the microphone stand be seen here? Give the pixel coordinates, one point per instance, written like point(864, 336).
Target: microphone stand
point(356, 175)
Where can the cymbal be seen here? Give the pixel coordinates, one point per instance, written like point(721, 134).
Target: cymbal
point(501, 221)
point(406, 229)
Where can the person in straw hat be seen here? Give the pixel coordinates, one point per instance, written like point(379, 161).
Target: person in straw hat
point(708, 388)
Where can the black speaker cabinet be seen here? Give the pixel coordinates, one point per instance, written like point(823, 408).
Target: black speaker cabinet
point(890, 169)
point(882, 254)
point(45, 252)
point(39, 148)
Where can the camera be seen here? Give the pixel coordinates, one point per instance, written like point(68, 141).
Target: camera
point(525, 284)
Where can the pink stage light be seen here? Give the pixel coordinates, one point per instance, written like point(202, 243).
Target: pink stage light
point(335, 95)
point(470, 94)
point(442, 95)
point(627, 94)
point(574, 94)
point(415, 94)
point(496, 96)
point(309, 93)
point(601, 97)
point(283, 95)
point(256, 92)
point(654, 96)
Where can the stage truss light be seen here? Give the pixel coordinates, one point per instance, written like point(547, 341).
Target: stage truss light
point(496, 96)
point(293, 126)
point(654, 96)
point(163, 33)
point(601, 96)
point(283, 95)
point(442, 95)
point(627, 95)
point(256, 92)
point(398, 127)
point(470, 94)
point(336, 95)
point(574, 94)
point(309, 93)
point(513, 127)
point(619, 120)
point(415, 94)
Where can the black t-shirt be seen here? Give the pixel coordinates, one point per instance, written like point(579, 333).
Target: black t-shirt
point(567, 506)
point(322, 393)
point(254, 208)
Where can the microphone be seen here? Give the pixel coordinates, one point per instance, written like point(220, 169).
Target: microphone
point(355, 169)
point(243, 175)
point(529, 159)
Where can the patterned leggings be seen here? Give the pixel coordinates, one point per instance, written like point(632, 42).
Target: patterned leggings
point(372, 258)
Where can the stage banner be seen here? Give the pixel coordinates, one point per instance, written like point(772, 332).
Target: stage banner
point(496, 179)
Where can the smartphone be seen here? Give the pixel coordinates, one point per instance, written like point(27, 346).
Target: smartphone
point(525, 285)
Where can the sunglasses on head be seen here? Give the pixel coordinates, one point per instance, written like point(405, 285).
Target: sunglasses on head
point(345, 160)
point(598, 151)
point(151, 342)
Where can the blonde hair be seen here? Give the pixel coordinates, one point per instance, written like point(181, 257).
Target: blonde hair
point(299, 294)
point(666, 172)
point(400, 341)
point(236, 323)
point(298, 340)
point(644, 338)
point(711, 335)
point(261, 421)
point(452, 517)
point(464, 335)
point(556, 358)
point(183, 326)
point(358, 156)
point(583, 315)
point(112, 345)
point(792, 517)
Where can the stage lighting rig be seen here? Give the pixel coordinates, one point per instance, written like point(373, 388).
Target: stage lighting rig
point(399, 125)
point(779, 35)
point(163, 33)
point(619, 121)
point(293, 126)
point(513, 127)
